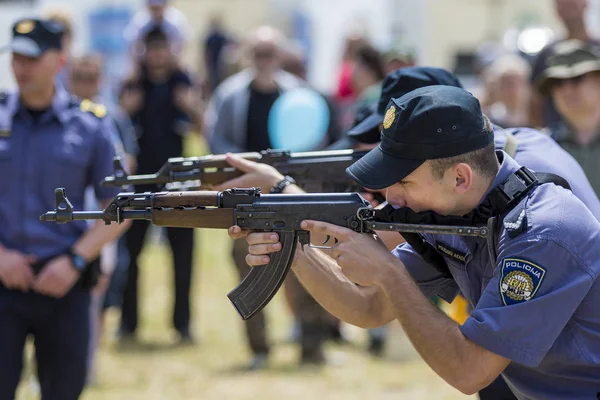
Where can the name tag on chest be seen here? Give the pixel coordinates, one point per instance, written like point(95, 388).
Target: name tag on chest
point(451, 252)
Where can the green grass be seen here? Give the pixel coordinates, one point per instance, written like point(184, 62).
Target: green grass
point(156, 369)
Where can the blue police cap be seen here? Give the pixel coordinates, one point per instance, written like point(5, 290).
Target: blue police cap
point(396, 84)
point(427, 123)
point(32, 37)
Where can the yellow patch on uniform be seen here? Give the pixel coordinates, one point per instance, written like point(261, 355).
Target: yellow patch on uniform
point(5, 133)
point(24, 27)
point(390, 115)
point(98, 110)
point(86, 105)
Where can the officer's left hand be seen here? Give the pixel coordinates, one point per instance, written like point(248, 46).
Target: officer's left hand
point(56, 278)
point(363, 258)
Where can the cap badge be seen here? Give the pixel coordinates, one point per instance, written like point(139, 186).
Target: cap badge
point(25, 27)
point(390, 115)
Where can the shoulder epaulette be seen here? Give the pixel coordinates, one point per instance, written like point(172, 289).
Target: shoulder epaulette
point(98, 110)
point(515, 222)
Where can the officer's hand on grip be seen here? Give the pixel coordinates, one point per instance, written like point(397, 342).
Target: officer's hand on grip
point(57, 277)
point(260, 244)
point(15, 269)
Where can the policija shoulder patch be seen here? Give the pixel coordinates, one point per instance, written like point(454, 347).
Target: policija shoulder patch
point(520, 280)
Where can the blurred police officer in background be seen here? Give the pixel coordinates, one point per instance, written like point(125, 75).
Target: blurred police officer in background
point(85, 80)
point(48, 139)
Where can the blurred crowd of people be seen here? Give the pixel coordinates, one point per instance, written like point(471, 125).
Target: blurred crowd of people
point(228, 100)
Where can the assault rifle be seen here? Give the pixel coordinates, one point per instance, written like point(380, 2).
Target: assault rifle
point(314, 172)
point(249, 209)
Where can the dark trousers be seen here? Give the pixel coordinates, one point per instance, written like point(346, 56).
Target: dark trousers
point(60, 328)
point(497, 390)
point(182, 247)
point(315, 322)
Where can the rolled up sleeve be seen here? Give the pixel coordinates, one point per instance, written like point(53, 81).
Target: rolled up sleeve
point(427, 277)
point(536, 288)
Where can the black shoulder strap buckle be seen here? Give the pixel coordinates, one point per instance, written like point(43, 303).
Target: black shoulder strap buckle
point(517, 185)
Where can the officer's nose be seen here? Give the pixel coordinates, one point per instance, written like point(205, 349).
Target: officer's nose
point(395, 199)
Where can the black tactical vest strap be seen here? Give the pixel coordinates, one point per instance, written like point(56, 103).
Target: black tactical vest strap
point(490, 212)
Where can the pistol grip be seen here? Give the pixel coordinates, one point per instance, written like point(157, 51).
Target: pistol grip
point(260, 285)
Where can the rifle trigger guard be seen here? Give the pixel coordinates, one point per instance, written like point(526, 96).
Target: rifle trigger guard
point(335, 241)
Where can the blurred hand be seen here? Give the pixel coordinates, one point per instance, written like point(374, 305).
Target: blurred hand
point(15, 270)
point(184, 99)
point(258, 175)
point(57, 277)
point(102, 286)
point(369, 195)
point(131, 100)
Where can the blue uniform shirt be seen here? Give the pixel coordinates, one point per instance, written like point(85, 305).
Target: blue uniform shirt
point(68, 147)
point(539, 152)
point(538, 305)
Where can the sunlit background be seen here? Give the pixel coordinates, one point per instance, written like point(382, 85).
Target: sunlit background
point(460, 35)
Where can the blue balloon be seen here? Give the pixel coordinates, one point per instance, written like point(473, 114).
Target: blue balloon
point(298, 120)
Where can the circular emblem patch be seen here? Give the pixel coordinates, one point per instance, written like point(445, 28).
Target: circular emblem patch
point(518, 286)
point(390, 114)
point(24, 27)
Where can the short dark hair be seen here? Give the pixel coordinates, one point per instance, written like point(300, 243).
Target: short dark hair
point(369, 56)
point(154, 35)
point(482, 160)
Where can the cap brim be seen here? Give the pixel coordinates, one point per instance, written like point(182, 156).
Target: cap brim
point(378, 170)
point(369, 123)
point(25, 47)
point(559, 72)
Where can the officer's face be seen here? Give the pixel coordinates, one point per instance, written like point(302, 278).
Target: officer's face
point(577, 98)
point(421, 191)
point(36, 74)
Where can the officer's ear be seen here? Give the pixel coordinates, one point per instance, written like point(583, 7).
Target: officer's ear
point(463, 175)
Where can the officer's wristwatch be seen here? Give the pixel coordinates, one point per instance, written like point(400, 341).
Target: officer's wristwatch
point(282, 184)
point(79, 263)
